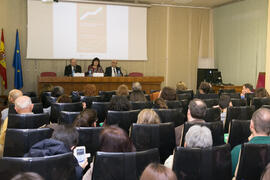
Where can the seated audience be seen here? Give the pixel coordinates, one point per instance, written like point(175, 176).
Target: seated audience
point(57, 91)
point(87, 118)
point(223, 103)
point(168, 94)
point(64, 99)
point(137, 95)
point(181, 86)
point(112, 139)
point(148, 116)
point(260, 131)
point(90, 90)
point(196, 113)
point(119, 103)
point(95, 66)
point(12, 96)
point(204, 88)
point(159, 103)
point(247, 88)
point(72, 68)
point(113, 70)
point(156, 171)
point(196, 137)
point(136, 86)
point(23, 105)
point(122, 90)
point(27, 176)
point(64, 139)
point(261, 92)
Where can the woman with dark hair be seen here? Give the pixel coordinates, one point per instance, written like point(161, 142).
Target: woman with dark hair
point(159, 103)
point(156, 171)
point(119, 103)
point(137, 95)
point(168, 94)
point(95, 66)
point(204, 88)
point(87, 118)
point(112, 139)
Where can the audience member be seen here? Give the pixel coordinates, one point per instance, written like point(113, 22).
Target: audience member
point(23, 105)
point(148, 116)
point(57, 91)
point(64, 99)
point(90, 90)
point(112, 139)
point(266, 173)
point(119, 103)
point(204, 88)
point(247, 88)
point(181, 86)
point(27, 176)
point(136, 86)
point(223, 103)
point(260, 131)
point(87, 118)
point(261, 92)
point(196, 137)
point(113, 70)
point(122, 90)
point(137, 95)
point(95, 66)
point(168, 94)
point(196, 113)
point(159, 103)
point(12, 96)
point(156, 171)
point(72, 68)
point(64, 139)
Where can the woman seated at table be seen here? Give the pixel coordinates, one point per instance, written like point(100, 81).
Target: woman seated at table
point(95, 66)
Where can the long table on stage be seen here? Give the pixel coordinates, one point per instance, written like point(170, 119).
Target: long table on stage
point(102, 83)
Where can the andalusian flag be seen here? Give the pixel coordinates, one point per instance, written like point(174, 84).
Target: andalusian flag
point(18, 78)
point(3, 64)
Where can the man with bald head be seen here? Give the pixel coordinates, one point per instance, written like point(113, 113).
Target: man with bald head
point(260, 131)
point(12, 96)
point(196, 113)
point(23, 105)
point(113, 70)
point(72, 68)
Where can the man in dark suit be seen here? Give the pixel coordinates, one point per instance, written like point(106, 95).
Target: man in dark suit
point(113, 70)
point(72, 68)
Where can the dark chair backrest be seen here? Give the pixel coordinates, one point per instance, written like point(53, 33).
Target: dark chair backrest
point(221, 91)
point(92, 98)
point(190, 91)
point(30, 94)
point(19, 141)
point(253, 160)
point(203, 164)
point(122, 166)
point(141, 105)
point(27, 121)
point(67, 117)
point(106, 95)
point(50, 100)
point(56, 108)
point(210, 102)
point(89, 137)
point(238, 132)
point(124, 119)
point(44, 100)
point(50, 167)
point(101, 109)
point(184, 96)
point(216, 130)
point(239, 102)
point(37, 109)
point(249, 97)
point(259, 102)
point(171, 115)
point(232, 95)
point(148, 136)
point(174, 104)
point(240, 113)
point(35, 100)
point(212, 115)
point(207, 96)
point(147, 96)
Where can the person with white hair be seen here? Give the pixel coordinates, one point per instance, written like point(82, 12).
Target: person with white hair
point(136, 86)
point(23, 105)
point(196, 137)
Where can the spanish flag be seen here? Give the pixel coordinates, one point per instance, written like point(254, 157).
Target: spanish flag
point(3, 64)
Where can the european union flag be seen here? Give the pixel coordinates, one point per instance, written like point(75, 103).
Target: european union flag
point(18, 78)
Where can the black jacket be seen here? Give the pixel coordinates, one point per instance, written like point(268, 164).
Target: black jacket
point(50, 147)
point(68, 70)
point(108, 71)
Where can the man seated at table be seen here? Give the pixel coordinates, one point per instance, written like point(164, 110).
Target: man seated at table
point(247, 88)
point(72, 68)
point(113, 70)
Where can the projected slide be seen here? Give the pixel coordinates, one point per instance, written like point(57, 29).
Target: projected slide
point(85, 31)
